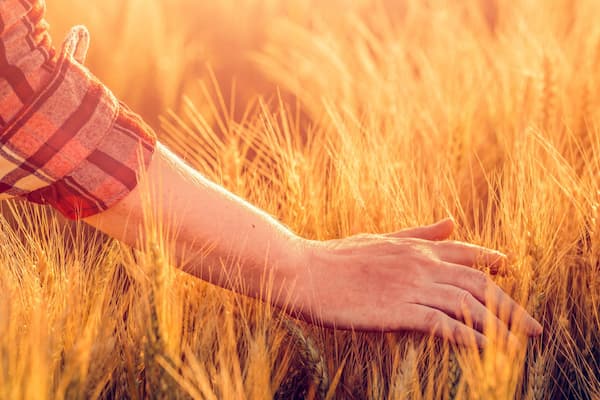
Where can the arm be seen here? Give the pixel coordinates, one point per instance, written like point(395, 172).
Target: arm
point(205, 215)
point(68, 142)
point(408, 280)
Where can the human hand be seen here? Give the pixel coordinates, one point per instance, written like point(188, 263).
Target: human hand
point(409, 280)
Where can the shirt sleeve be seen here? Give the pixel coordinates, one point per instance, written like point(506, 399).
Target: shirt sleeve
point(65, 139)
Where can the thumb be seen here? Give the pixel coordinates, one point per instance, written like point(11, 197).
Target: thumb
point(439, 231)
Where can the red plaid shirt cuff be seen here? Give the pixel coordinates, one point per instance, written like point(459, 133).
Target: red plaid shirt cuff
point(71, 144)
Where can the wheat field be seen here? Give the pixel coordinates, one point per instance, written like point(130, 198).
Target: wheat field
point(337, 117)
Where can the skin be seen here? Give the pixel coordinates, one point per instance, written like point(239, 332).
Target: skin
point(415, 279)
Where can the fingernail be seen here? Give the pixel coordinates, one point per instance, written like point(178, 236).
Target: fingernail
point(539, 329)
point(535, 328)
point(503, 265)
point(501, 254)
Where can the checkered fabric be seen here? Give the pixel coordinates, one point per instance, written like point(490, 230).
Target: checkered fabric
point(65, 140)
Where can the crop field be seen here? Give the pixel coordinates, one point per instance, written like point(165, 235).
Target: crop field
point(337, 117)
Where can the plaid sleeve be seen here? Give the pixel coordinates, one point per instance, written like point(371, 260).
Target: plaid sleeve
point(65, 139)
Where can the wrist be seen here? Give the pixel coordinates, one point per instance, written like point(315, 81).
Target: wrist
point(296, 281)
point(287, 263)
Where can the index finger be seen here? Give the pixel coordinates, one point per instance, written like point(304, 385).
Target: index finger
point(470, 255)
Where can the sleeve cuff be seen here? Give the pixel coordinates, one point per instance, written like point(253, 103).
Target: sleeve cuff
point(77, 147)
point(59, 128)
point(108, 174)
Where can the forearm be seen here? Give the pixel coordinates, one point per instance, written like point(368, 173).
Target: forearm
point(68, 142)
point(81, 149)
point(212, 228)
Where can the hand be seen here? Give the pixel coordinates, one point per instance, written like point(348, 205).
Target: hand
point(408, 280)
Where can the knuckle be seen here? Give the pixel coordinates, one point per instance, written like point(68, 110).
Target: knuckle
point(481, 280)
point(440, 246)
point(464, 304)
point(457, 332)
point(362, 236)
point(463, 299)
point(432, 318)
point(438, 263)
point(450, 243)
point(396, 244)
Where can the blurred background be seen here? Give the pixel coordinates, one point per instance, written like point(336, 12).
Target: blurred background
point(151, 53)
point(408, 111)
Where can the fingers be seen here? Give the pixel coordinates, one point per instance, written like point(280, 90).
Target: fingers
point(430, 320)
point(461, 304)
point(488, 293)
point(470, 255)
point(439, 231)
